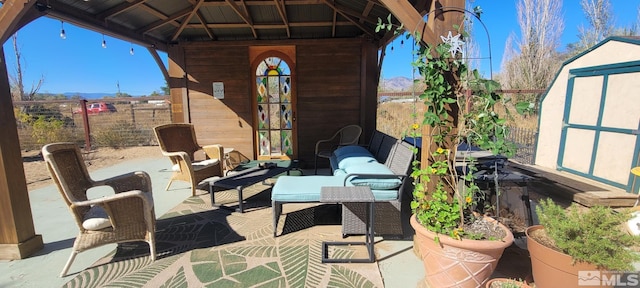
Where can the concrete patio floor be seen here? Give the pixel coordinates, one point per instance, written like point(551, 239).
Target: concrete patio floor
point(399, 266)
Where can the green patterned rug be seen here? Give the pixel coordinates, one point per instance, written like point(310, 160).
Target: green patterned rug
point(200, 246)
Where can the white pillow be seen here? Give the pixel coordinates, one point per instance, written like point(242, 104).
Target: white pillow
point(96, 219)
point(199, 164)
point(206, 162)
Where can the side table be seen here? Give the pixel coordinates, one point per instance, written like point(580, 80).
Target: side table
point(350, 194)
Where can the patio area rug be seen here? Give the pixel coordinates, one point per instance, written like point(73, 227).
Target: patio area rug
point(201, 246)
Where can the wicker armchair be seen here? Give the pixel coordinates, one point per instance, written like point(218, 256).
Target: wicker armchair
point(178, 142)
point(126, 216)
point(347, 135)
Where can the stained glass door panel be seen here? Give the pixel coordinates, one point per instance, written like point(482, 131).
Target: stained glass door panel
point(275, 110)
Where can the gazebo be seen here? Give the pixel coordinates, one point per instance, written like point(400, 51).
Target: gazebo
point(267, 78)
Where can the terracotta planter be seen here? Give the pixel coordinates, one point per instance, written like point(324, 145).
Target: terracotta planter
point(458, 263)
point(551, 268)
point(498, 282)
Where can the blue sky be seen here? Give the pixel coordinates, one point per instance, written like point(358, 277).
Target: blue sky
point(501, 19)
point(80, 64)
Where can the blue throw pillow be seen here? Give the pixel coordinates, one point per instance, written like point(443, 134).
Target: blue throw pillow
point(352, 155)
point(373, 182)
point(351, 150)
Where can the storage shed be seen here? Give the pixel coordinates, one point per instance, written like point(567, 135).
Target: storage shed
point(590, 115)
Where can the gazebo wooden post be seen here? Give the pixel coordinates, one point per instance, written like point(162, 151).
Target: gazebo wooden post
point(18, 239)
point(440, 21)
point(17, 234)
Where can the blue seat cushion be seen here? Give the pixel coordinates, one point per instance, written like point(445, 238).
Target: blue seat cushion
point(307, 188)
point(351, 155)
point(385, 195)
point(372, 181)
point(302, 188)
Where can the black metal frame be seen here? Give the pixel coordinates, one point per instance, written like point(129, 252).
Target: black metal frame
point(369, 235)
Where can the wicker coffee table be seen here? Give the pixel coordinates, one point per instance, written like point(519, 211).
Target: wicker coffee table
point(350, 194)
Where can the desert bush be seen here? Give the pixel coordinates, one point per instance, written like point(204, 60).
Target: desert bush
point(121, 134)
point(42, 125)
point(49, 130)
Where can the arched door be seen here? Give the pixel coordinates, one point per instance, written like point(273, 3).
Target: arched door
point(274, 106)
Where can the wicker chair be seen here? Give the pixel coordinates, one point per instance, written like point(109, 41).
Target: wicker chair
point(126, 216)
point(348, 135)
point(178, 142)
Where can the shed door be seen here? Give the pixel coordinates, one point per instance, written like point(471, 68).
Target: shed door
point(274, 106)
point(601, 120)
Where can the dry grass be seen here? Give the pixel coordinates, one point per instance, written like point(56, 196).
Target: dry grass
point(395, 118)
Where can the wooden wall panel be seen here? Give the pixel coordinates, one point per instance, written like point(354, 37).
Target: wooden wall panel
point(220, 121)
point(330, 87)
point(328, 92)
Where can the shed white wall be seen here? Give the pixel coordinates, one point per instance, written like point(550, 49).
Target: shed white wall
point(553, 103)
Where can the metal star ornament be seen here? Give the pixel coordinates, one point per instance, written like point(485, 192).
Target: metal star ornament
point(454, 42)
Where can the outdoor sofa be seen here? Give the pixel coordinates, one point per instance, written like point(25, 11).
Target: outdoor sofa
point(383, 165)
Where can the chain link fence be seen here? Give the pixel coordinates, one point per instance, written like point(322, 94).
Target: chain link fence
point(525, 140)
point(116, 122)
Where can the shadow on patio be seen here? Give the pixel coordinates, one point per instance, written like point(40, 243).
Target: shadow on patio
point(199, 243)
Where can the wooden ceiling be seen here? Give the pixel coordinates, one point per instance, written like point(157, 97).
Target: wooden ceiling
point(158, 23)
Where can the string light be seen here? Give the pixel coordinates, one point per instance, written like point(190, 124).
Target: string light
point(104, 43)
point(63, 35)
point(131, 50)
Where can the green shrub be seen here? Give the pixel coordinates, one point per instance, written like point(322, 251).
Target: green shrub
point(121, 134)
point(593, 235)
point(48, 130)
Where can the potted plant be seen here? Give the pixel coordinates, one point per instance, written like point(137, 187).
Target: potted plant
point(460, 248)
point(506, 283)
point(574, 241)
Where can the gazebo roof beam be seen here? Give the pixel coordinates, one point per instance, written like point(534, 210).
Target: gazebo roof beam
point(366, 11)
point(346, 15)
point(272, 26)
point(243, 14)
point(186, 20)
point(283, 14)
point(168, 20)
point(120, 8)
point(203, 23)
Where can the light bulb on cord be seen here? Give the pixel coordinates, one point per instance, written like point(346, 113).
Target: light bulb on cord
point(131, 50)
point(62, 34)
point(104, 43)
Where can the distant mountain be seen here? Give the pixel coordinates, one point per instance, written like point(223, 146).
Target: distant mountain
point(89, 95)
point(399, 83)
point(396, 84)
